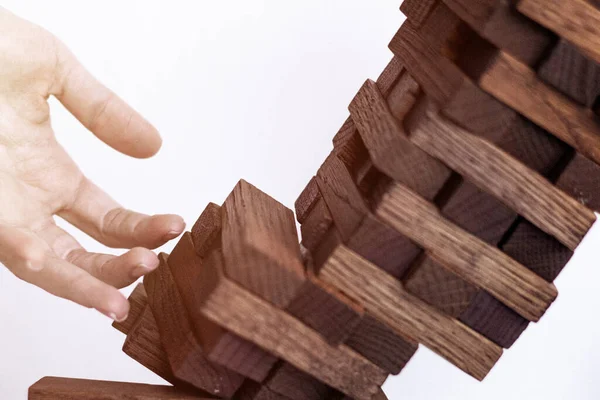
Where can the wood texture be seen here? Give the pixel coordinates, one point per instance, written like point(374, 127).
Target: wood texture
point(388, 79)
point(185, 354)
point(385, 298)
point(307, 199)
point(52, 388)
point(498, 22)
point(466, 255)
point(573, 74)
point(260, 236)
point(294, 384)
point(518, 86)
point(581, 180)
point(256, 391)
point(316, 224)
point(137, 303)
point(219, 345)
point(206, 232)
point(499, 174)
point(416, 11)
point(254, 319)
point(389, 148)
point(578, 21)
point(381, 345)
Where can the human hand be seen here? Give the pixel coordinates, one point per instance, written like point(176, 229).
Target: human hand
point(38, 179)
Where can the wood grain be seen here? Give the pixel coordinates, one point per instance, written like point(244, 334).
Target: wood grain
point(185, 354)
point(137, 303)
point(573, 74)
point(294, 384)
point(499, 174)
point(53, 388)
point(388, 79)
point(306, 200)
point(256, 391)
point(578, 21)
point(219, 345)
point(206, 232)
point(464, 254)
point(581, 180)
point(316, 224)
point(387, 300)
point(261, 239)
point(385, 141)
point(416, 11)
point(247, 315)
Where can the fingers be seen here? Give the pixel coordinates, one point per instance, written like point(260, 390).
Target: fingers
point(116, 271)
point(31, 259)
point(101, 111)
point(97, 214)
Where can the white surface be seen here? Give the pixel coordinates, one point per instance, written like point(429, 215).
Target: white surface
point(252, 89)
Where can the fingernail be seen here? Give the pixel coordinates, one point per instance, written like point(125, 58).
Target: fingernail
point(113, 316)
point(172, 235)
point(140, 270)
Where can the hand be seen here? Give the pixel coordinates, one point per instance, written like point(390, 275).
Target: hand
point(38, 179)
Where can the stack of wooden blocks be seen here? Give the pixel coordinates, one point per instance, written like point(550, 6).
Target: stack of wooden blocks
point(456, 192)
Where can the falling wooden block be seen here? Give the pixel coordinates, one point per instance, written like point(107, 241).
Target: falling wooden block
point(387, 300)
point(137, 303)
point(245, 314)
point(294, 384)
point(581, 180)
point(260, 236)
point(186, 357)
point(51, 388)
point(219, 345)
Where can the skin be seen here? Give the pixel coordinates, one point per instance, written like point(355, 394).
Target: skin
point(39, 180)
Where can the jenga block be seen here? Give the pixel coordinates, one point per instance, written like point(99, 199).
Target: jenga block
point(326, 310)
point(538, 251)
point(307, 200)
point(185, 354)
point(578, 21)
point(498, 22)
point(569, 71)
point(51, 388)
point(260, 236)
point(255, 391)
point(581, 180)
point(387, 300)
point(518, 86)
point(316, 224)
point(416, 11)
point(350, 148)
point(466, 255)
point(499, 174)
point(137, 303)
point(219, 345)
point(381, 345)
point(144, 346)
point(206, 232)
point(296, 385)
point(247, 315)
point(390, 150)
point(389, 77)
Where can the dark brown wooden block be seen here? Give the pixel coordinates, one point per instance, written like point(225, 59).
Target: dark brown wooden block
point(260, 236)
point(294, 384)
point(581, 180)
point(389, 77)
point(206, 232)
point(256, 391)
point(219, 345)
point(51, 388)
point(316, 224)
point(380, 344)
point(137, 303)
point(306, 200)
point(185, 354)
point(416, 11)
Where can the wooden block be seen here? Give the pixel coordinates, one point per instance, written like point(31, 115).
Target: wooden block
point(578, 21)
point(389, 148)
point(51, 388)
point(144, 346)
point(185, 354)
point(581, 180)
point(517, 85)
point(256, 391)
point(326, 310)
point(536, 250)
point(261, 239)
point(381, 345)
point(206, 232)
point(416, 11)
point(389, 77)
point(219, 345)
point(573, 74)
point(464, 254)
point(296, 385)
point(498, 22)
point(494, 171)
point(350, 149)
point(137, 303)
point(307, 200)
point(387, 300)
point(316, 224)
point(247, 315)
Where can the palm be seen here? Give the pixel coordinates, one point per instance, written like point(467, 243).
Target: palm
point(39, 180)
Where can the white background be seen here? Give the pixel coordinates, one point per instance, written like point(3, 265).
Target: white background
point(252, 89)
